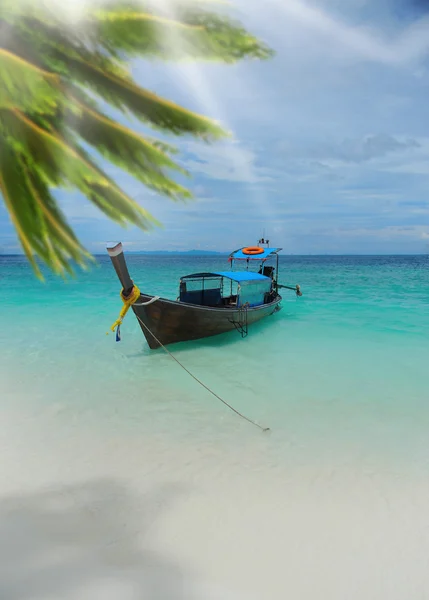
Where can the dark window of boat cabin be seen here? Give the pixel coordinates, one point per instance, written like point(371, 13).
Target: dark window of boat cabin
point(204, 291)
point(203, 283)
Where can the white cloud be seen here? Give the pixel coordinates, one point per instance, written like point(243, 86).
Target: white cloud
point(224, 161)
point(389, 233)
point(321, 28)
point(354, 158)
point(413, 160)
point(419, 167)
point(352, 150)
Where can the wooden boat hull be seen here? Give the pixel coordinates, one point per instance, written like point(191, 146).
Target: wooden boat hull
point(172, 321)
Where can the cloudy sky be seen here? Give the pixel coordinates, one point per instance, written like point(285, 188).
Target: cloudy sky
point(331, 137)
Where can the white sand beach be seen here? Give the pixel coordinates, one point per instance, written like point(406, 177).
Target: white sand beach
point(89, 516)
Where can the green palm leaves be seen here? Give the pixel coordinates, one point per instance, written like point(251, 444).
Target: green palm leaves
point(53, 80)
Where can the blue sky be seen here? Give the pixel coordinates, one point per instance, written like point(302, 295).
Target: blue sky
point(330, 152)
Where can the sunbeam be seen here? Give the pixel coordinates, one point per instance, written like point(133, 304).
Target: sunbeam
point(193, 74)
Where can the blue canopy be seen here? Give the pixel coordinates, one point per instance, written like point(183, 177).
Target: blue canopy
point(267, 252)
point(242, 276)
point(237, 276)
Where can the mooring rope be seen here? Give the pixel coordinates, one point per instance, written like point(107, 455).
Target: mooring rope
point(151, 301)
point(199, 381)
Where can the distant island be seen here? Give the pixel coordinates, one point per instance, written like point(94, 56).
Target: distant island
point(181, 252)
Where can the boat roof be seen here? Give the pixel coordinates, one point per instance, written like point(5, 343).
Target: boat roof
point(267, 252)
point(237, 276)
point(243, 276)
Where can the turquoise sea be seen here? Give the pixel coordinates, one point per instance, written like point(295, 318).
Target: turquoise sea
point(122, 478)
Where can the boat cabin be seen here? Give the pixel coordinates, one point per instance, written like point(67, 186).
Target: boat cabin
point(224, 288)
point(234, 288)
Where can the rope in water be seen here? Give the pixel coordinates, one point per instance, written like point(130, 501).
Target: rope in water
point(199, 381)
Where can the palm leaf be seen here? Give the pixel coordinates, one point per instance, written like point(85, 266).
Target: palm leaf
point(62, 234)
point(40, 224)
point(13, 195)
point(57, 43)
point(129, 97)
point(60, 165)
point(125, 148)
point(25, 86)
point(26, 211)
point(189, 33)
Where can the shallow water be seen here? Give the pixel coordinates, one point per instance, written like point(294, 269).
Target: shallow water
point(122, 478)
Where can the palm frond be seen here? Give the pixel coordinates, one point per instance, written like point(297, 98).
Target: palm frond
point(147, 106)
point(41, 228)
point(125, 148)
point(60, 231)
point(25, 86)
point(13, 193)
point(58, 43)
point(188, 33)
point(59, 164)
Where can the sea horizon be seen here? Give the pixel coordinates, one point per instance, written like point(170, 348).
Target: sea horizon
point(227, 253)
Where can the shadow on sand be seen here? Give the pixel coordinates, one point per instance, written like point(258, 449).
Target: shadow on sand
point(86, 541)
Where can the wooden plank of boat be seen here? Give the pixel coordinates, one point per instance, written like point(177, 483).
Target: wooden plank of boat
point(171, 321)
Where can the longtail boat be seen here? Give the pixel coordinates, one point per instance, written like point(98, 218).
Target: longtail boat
point(209, 303)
